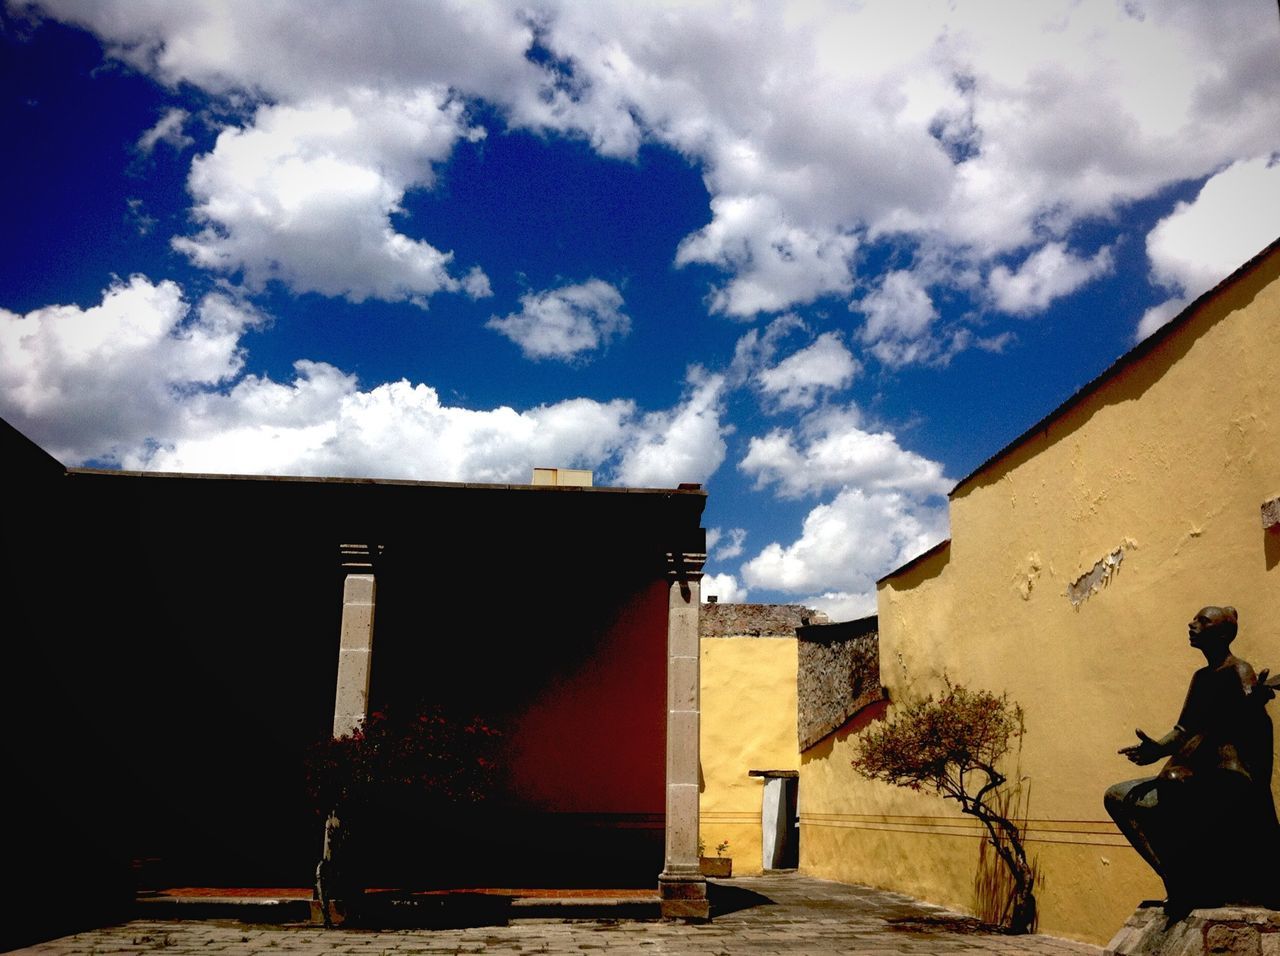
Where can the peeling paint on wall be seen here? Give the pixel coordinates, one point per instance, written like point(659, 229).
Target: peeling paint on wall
point(1026, 580)
point(1096, 578)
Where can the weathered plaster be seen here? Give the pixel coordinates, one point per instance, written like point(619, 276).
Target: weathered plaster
point(1096, 578)
point(748, 720)
point(1138, 456)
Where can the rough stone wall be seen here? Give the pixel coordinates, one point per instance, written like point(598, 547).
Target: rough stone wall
point(838, 675)
point(756, 620)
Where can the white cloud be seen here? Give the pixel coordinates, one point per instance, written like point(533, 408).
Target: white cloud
point(832, 451)
point(975, 127)
point(168, 129)
point(731, 550)
point(1049, 273)
point(304, 195)
point(1158, 315)
point(978, 129)
point(799, 379)
point(322, 423)
point(756, 348)
point(884, 512)
point(724, 588)
point(846, 544)
point(95, 382)
point(684, 444)
point(136, 213)
point(147, 381)
point(775, 264)
point(1200, 243)
point(841, 605)
point(900, 316)
point(564, 323)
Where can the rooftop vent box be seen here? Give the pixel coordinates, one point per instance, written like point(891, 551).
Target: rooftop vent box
point(565, 477)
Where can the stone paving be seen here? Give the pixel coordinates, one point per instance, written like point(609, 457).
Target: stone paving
point(764, 915)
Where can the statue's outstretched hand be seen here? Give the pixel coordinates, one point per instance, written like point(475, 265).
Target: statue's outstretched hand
point(1266, 688)
point(1145, 751)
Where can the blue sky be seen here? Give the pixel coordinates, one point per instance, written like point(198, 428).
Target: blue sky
point(824, 258)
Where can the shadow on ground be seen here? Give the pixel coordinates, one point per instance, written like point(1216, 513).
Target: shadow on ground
point(964, 925)
point(727, 899)
point(462, 910)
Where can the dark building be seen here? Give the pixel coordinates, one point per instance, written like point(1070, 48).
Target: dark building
point(173, 648)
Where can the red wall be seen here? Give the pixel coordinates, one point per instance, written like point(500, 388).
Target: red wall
point(593, 740)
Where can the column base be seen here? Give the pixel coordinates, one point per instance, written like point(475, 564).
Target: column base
point(683, 896)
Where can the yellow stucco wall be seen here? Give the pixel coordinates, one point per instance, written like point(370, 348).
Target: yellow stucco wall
point(748, 723)
point(1169, 459)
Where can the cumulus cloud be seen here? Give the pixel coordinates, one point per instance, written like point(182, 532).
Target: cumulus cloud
point(567, 322)
point(847, 544)
point(1158, 315)
point(1049, 273)
point(304, 195)
point(799, 379)
point(886, 509)
point(900, 315)
point(775, 264)
point(323, 423)
point(731, 550)
point(756, 348)
point(145, 380)
point(832, 450)
point(724, 588)
point(168, 129)
point(95, 382)
point(683, 444)
point(1235, 216)
point(972, 127)
point(841, 605)
point(978, 129)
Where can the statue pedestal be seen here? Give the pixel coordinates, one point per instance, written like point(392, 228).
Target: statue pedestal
point(1229, 930)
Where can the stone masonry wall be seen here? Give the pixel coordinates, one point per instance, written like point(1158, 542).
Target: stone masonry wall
point(839, 675)
point(756, 620)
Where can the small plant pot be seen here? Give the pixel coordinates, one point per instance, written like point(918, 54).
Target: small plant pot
point(717, 866)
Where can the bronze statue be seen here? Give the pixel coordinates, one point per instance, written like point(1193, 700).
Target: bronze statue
point(1207, 822)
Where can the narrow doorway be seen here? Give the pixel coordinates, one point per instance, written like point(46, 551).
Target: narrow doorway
point(779, 819)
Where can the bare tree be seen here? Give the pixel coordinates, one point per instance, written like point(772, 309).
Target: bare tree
point(953, 745)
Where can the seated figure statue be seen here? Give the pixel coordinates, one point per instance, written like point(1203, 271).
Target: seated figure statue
point(1207, 822)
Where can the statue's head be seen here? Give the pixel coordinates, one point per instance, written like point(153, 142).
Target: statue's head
point(1213, 625)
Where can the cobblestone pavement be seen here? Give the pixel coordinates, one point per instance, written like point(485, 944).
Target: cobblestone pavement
point(788, 914)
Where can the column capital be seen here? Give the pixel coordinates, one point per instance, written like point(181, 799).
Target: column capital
point(360, 558)
point(685, 565)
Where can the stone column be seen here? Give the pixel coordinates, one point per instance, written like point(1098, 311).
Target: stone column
point(681, 885)
point(350, 708)
point(355, 648)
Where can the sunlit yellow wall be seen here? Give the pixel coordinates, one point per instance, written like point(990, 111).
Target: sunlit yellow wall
point(1170, 460)
point(748, 723)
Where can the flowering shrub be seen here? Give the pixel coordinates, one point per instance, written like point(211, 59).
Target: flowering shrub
point(425, 755)
point(415, 759)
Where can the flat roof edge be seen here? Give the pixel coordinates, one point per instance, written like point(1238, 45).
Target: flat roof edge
point(393, 482)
